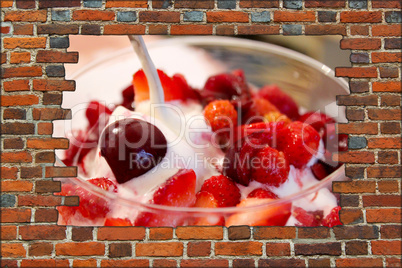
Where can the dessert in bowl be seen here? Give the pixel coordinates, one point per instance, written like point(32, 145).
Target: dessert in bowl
point(244, 137)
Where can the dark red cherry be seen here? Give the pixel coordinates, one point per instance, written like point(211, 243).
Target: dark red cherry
point(132, 147)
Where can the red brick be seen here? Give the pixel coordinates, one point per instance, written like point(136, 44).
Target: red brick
point(354, 186)
point(358, 262)
point(57, 29)
point(386, 30)
point(8, 232)
point(384, 143)
point(391, 231)
point(15, 215)
point(18, 128)
point(93, 15)
point(274, 233)
point(389, 86)
point(13, 143)
point(162, 233)
point(157, 29)
point(250, 248)
point(258, 3)
point(54, 98)
point(356, 100)
point(47, 143)
point(325, 29)
point(351, 216)
point(6, 3)
point(82, 233)
point(204, 263)
point(84, 263)
point(381, 247)
point(127, 3)
point(224, 29)
point(52, 172)
point(116, 233)
point(26, 16)
point(387, 4)
point(257, 29)
point(356, 248)
point(393, 262)
point(358, 128)
point(358, 72)
point(42, 232)
point(388, 186)
point(164, 263)
point(294, 16)
point(40, 249)
point(319, 263)
point(45, 128)
point(59, 3)
point(281, 262)
point(361, 16)
point(239, 232)
point(361, 43)
point(227, 16)
point(191, 29)
point(198, 249)
point(3, 58)
point(16, 186)
point(385, 215)
point(167, 249)
point(313, 232)
point(159, 16)
point(390, 100)
point(53, 85)
point(125, 263)
point(50, 114)
point(354, 157)
point(20, 57)
point(381, 201)
point(377, 57)
point(278, 249)
point(120, 29)
point(44, 263)
point(16, 85)
point(324, 3)
point(56, 56)
point(29, 71)
point(199, 232)
point(5, 30)
point(16, 157)
point(80, 249)
point(355, 114)
point(359, 30)
point(356, 232)
point(23, 29)
point(384, 171)
point(8, 172)
point(12, 250)
point(26, 4)
point(19, 100)
point(387, 157)
point(31, 172)
point(39, 200)
point(330, 248)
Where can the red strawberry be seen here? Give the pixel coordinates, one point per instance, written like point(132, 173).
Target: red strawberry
point(270, 215)
point(91, 206)
point(244, 160)
point(332, 219)
point(308, 218)
point(94, 111)
point(269, 127)
point(258, 109)
point(177, 191)
point(319, 171)
point(317, 120)
point(270, 167)
point(223, 189)
point(207, 200)
point(221, 115)
point(117, 222)
point(281, 100)
point(299, 142)
point(262, 193)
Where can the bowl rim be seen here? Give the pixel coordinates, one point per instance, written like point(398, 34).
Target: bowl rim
point(338, 174)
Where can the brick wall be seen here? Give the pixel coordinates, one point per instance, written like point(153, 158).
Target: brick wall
point(34, 41)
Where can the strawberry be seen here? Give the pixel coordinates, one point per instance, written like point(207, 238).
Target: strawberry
point(281, 100)
point(319, 171)
point(308, 218)
point(94, 111)
point(91, 206)
point(270, 215)
point(177, 191)
point(128, 97)
point(317, 120)
point(262, 193)
point(224, 190)
point(332, 219)
point(270, 167)
point(259, 108)
point(117, 222)
point(277, 117)
point(299, 142)
point(269, 127)
point(207, 200)
point(220, 115)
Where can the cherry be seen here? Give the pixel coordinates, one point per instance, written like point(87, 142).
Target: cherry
point(132, 147)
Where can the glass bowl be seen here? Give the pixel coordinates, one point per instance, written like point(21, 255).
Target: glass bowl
point(309, 82)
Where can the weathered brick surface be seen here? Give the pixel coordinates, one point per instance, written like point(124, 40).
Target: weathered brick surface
point(35, 38)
